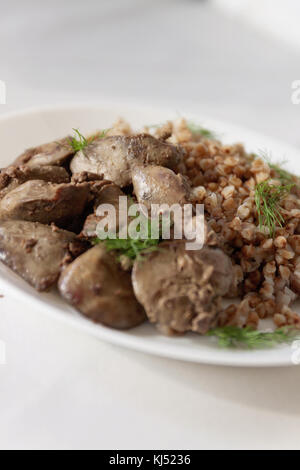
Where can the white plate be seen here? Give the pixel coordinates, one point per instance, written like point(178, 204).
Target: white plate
point(32, 127)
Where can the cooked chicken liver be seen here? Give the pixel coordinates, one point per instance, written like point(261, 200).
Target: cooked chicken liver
point(115, 156)
point(86, 176)
point(39, 201)
point(52, 153)
point(12, 177)
point(158, 185)
point(106, 194)
point(181, 290)
point(37, 252)
point(96, 285)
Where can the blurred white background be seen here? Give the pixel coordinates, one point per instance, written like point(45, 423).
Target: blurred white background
point(278, 17)
point(186, 54)
point(235, 61)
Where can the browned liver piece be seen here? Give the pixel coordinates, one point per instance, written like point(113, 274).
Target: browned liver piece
point(40, 201)
point(37, 252)
point(115, 156)
point(52, 153)
point(96, 285)
point(181, 290)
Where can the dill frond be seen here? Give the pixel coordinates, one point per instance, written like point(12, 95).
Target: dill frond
point(196, 129)
point(132, 248)
point(232, 336)
point(79, 142)
point(283, 175)
point(267, 199)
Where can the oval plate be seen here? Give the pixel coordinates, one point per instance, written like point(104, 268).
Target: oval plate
point(28, 128)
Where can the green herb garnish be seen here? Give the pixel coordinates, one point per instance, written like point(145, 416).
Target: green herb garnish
point(79, 142)
point(133, 248)
point(232, 336)
point(267, 199)
point(283, 175)
point(196, 129)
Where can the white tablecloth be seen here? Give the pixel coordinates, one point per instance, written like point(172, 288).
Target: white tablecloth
point(274, 16)
point(61, 388)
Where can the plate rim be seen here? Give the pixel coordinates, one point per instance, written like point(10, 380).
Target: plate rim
point(130, 341)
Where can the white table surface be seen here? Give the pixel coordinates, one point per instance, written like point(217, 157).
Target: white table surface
point(61, 388)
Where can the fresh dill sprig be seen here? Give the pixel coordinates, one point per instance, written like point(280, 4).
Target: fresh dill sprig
point(132, 248)
point(267, 199)
point(79, 142)
point(232, 336)
point(283, 175)
point(196, 129)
